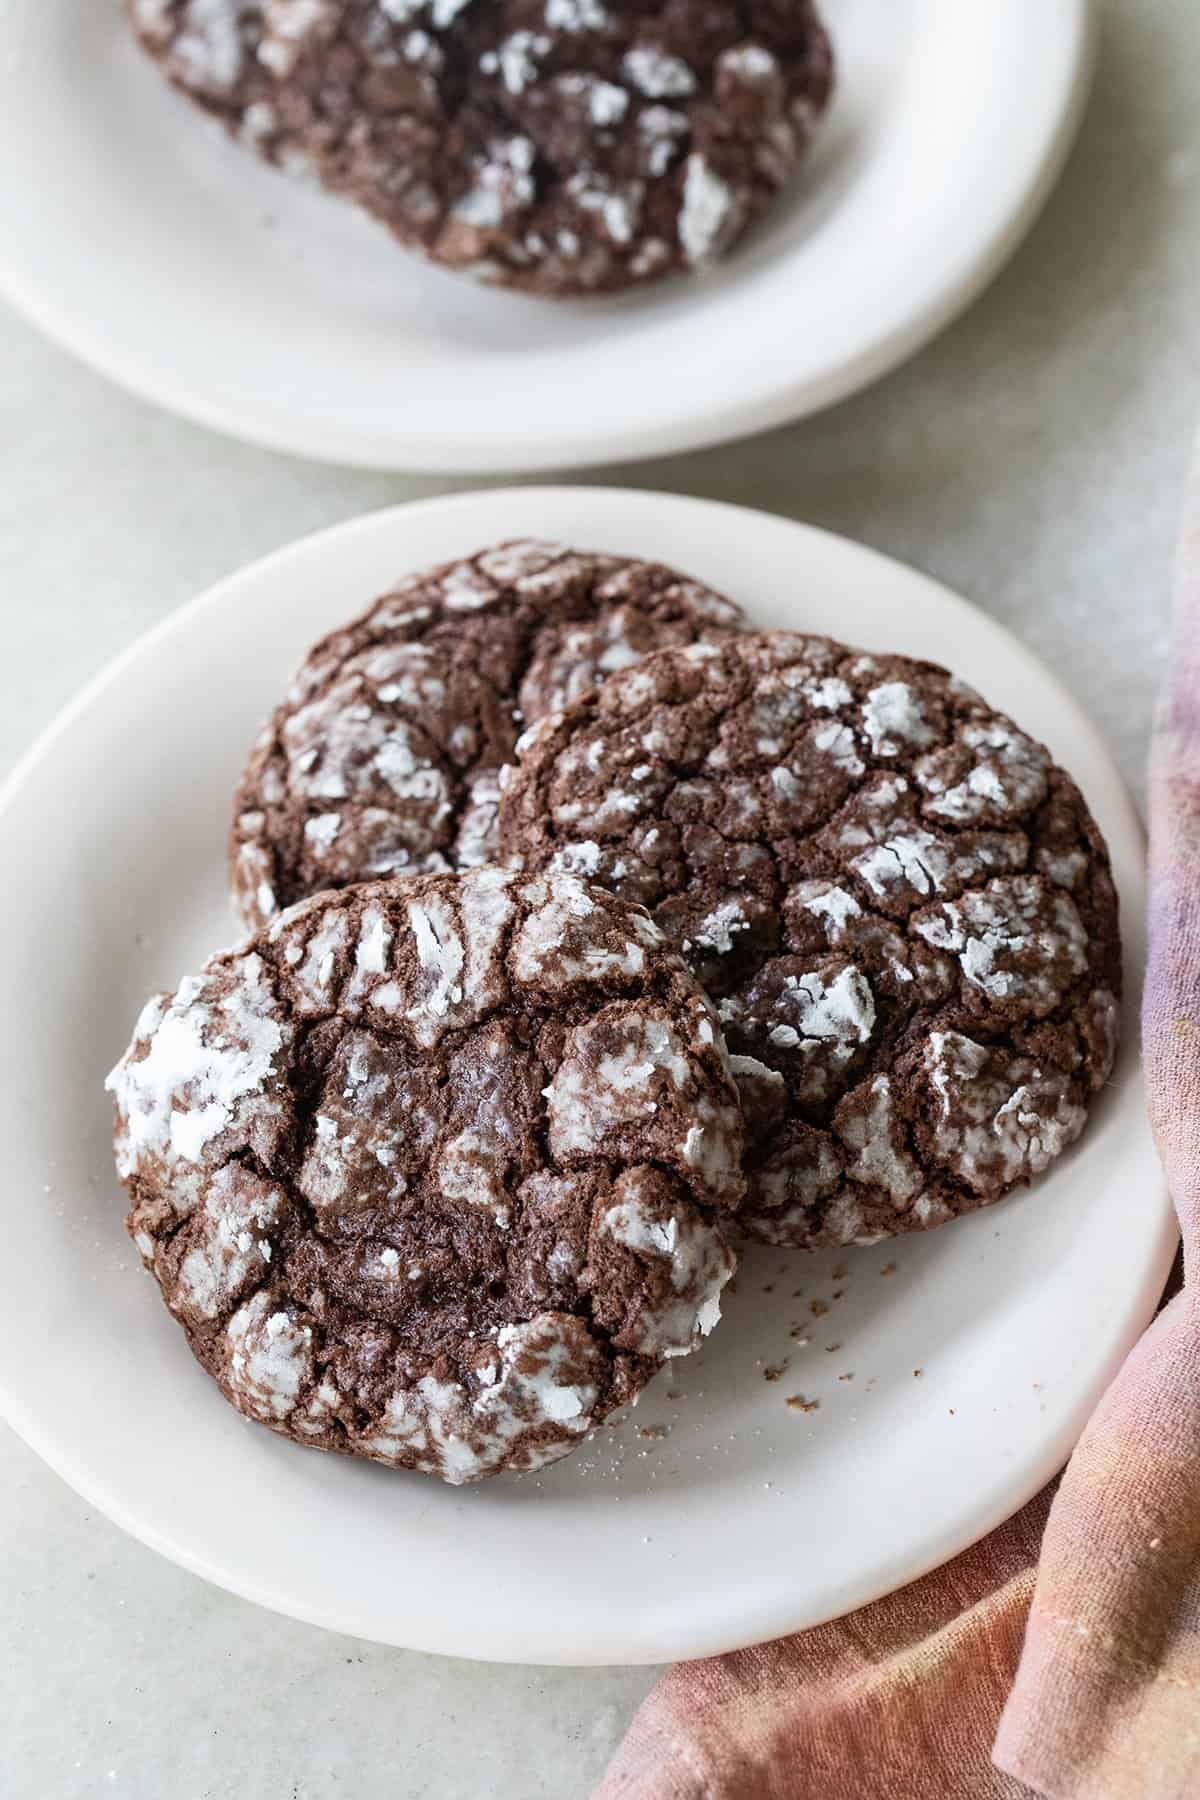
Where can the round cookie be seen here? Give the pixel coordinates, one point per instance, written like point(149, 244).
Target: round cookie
point(432, 1172)
point(384, 757)
point(903, 908)
point(560, 146)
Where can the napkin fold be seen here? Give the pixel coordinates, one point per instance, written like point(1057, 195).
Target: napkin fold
point(1061, 1656)
point(896, 1702)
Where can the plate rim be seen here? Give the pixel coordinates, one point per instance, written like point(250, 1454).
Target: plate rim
point(1007, 1495)
point(689, 429)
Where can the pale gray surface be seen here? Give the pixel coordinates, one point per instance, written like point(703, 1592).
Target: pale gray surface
point(1033, 459)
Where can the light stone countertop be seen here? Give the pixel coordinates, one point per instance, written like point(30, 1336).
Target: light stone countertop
point(1033, 459)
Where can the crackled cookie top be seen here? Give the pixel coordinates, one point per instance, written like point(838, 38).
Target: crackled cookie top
point(902, 907)
point(431, 1172)
point(564, 146)
point(384, 757)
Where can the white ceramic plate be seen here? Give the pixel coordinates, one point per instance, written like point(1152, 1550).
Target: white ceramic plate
point(137, 234)
point(749, 1518)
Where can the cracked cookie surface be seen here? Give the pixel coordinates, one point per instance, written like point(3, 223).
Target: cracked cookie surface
point(561, 146)
point(384, 757)
point(901, 906)
point(433, 1171)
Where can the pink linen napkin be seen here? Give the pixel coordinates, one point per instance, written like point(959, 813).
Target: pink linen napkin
point(1061, 1656)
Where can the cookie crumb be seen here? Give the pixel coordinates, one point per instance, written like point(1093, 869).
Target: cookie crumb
point(917, 1374)
point(654, 1431)
point(817, 1308)
point(888, 1269)
point(799, 1403)
point(773, 1371)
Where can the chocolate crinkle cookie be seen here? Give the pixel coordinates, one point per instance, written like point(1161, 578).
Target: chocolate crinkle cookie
point(901, 905)
point(385, 754)
point(433, 1171)
point(561, 146)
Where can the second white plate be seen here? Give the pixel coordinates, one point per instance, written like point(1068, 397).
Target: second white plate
point(137, 234)
point(947, 1391)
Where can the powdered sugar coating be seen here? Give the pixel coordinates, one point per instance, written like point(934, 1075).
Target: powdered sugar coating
point(627, 1075)
point(698, 1267)
point(268, 1359)
point(1017, 941)
point(385, 756)
point(290, 28)
point(200, 41)
point(542, 954)
point(894, 719)
point(369, 1158)
point(997, 1117)
point(209, 1075)
point(991, 773)
point(858, 857)
point(230, 1252)
point(711, 216)
point(561, 146)
point(532, 1404)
